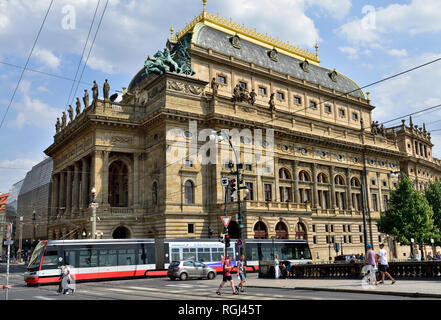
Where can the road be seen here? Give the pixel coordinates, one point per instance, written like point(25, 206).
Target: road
point(165, 289)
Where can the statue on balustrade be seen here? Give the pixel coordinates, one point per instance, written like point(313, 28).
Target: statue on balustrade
point(95, 90)
point(214, 86)
point(63, 120)
point(78, 107)
point(253, 96)
point(86, 99)
point(58, 125)
point(70, 111)
point(272, 104)
point(106, 90)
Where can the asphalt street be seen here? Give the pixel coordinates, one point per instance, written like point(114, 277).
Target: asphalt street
point(165, 289)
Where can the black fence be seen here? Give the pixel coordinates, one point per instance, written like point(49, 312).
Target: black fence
point(428, 270)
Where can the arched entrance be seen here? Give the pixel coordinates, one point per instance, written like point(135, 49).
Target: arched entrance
point(233, 230)
point(281, 231)
point(118, 184)
point(301, 231)
point(121, 233)
point(260, 231)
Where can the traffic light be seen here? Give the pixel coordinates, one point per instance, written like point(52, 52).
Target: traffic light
point(227, 240)
point(222, 237)
point(233, 185)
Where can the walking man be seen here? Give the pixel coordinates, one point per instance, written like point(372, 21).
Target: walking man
point(226, 273)
point(382, 263)
point(241, 273)
point(371, 261)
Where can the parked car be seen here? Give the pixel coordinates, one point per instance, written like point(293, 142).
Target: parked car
point(346, 258)
point(190, 269)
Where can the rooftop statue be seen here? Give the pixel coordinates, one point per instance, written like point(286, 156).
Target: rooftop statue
point(70, 111)
point(78, 107)
point(86, 99)
point(95, 90)
point(63, 120)
point(58, 125)
point(106, 90)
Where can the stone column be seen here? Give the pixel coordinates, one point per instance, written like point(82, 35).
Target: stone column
point(55, 193)
point(332, 180)
point(105, 178)
point(296, 182)
point(135, 174)
point(62, 192)
point(349, 192)
point(69, 190)
point(314, 185)
point(76, 188)
point(85, 183)
point(380, 193)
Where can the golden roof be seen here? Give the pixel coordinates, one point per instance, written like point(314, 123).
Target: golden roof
point(230, 27)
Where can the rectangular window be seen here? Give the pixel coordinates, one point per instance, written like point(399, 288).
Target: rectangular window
point(280, 96)
point(50, 260)
point(341, 112)
point(107, 258)
point(282, 195)
point(361, 239)
point(88, 258)
point(288, 195)
point(314, 238)
point(326, 228)
point(188, 163)
point(126, 257)
point(262, 91)
point(222, 79)
point(355, 116)
point(268, 193)
point(344, 228)
point(243, 84)
point(350, 239)
point(374, 202)
point(385, 202)
point(190, 228)
point(189, 253)
point(328, 108)
point(349, 228)
point(332, 228)
point(250, 195)
point(203, 254)
point(313, 104)
point(313, 228)
point(175, 254)
point(248, 167)
point(297, 100)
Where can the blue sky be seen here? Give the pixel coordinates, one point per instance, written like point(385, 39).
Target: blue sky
point(365, 40)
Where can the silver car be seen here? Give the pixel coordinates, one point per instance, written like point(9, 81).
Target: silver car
point(190, 269)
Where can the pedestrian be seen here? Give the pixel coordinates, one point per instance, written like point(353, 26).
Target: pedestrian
point(226, 276)
point(371, 261)
point(437, 257)
point(5, 287)
point(66, 281)
point(241, 273)
point(429, 256)
point(383, 264)
point(276, 267)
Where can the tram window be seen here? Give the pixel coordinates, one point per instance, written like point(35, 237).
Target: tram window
point(50, 260)
point(175, 255)
point(107, 258)
point(70, 258)
point(88, 258)
point(189, 253)
point(204, 254)
point(126, 257)
point(217, 253)
point(230, 252)
point(146, 253)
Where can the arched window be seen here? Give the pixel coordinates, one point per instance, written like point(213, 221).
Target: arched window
point(301, 231)
point(322, 178)
point(189, 192)
point(260, 231)
point(355, 182)
point(304, 176)
point(339, 180)
point(155, 193)
point(284, 174)
point(281, 230)
point(118, 184)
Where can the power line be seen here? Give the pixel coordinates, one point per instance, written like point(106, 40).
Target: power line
point(82, 54)
point(26, 64)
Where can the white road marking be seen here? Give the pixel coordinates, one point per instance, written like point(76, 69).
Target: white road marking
point(119, 290)
point(43, 298)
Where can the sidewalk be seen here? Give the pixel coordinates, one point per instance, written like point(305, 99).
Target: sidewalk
point(409, 288)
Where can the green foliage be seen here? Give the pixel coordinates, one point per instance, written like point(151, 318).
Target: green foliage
point(433, 196)
point(409, 215)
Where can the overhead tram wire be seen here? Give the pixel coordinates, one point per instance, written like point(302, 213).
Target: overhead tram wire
point(90, 49)
point(26, 64)
point(50, 74)
point(82, 55)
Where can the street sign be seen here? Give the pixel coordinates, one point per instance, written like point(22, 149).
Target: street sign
point(239, 242)
point(224, 181)
point(8, 231)
point(8, 242)
point(226, 220)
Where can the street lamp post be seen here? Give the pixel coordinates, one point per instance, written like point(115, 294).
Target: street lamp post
point(411, 247)
point(94, 206)
point(20, 240)
point(33, 223)
point(433, 247)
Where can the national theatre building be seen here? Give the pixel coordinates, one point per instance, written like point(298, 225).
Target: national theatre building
point(144, 154)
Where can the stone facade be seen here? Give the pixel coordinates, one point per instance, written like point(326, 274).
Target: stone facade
point(139, 154)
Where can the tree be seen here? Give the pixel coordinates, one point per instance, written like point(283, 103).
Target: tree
point(433, 195)
point(409, 215)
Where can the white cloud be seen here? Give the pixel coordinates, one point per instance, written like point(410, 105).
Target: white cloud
point(397, 52)
point(47, 58)
point(350, 51)
point(418, 16)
